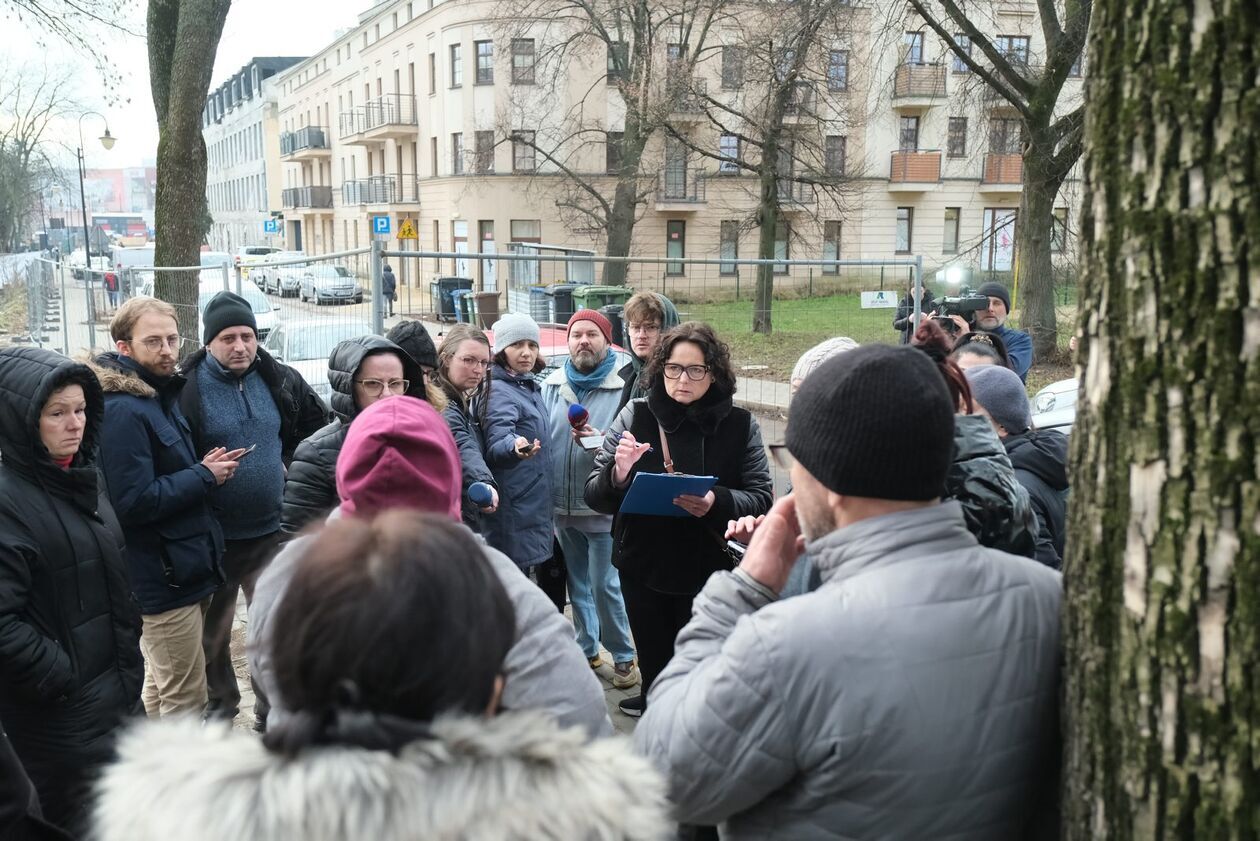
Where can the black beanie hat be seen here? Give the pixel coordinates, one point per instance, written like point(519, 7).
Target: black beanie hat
point(226, 309)
point(414, 338)
point(876, 422)
point(992, 289)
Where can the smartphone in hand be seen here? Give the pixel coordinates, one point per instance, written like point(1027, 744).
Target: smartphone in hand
point(249, 450)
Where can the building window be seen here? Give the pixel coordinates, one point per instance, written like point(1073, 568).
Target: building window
point(432, 74)
point(484, 152)
point(949, 241)
point(1014, 48)
point(905, 226)
point(675, 245)
point(457, 65)
point(912, 44)
point(618, 61)
point(523, 61)
point(1078, 65)
point(1058, 230)
point(525, 230)
point(782, 234)
point(437, 242)
point(612, 152)
point(1006, 136)
point(831, 247)
point(957, 143)
point(732, 68)
point(908, 134)
point(728, 247)
point(523, 152)
point(433, 156)
point(784, 61)
point(485, 62)
point(457, 153)
point(838, 70)
point(834, 151)
point(728, 147)
point(961, 42)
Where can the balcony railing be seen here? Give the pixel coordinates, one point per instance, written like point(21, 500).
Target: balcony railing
point(688, 99)
point(1002, 168)
point(915, 166)
point(308, 137)
point(795, 192)
point(801, 100)
point(676, 186)
point(380, 189)
point(914, 79)
point(320, 196)
point(393, 109)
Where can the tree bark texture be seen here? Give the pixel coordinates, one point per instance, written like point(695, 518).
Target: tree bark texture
point(1162, 610)
point(625, 204)
point(1034, 269)
point(183, 39)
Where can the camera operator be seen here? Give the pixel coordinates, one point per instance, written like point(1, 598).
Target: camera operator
point(1018, 343)
point(903, 322)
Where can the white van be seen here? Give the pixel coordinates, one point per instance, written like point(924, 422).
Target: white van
point(124, 259)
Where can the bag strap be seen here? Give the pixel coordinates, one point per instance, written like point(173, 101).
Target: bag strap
point(669, 461)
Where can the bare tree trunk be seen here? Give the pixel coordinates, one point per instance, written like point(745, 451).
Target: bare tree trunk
point(1162, 622)
point(625, 204)
point(768, 223)
point(183, 39)
point(1033, 265)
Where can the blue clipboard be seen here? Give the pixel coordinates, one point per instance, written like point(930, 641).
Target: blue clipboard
point(653, 493)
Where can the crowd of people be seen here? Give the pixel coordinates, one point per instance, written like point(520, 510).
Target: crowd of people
point(875, 654)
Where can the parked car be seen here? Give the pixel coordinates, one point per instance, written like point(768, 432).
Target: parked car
point(247, 256)
point(554, 348)
point(269, 276)
point(307, 344)
point(325, 283)
point(1054, 407)
point(264, 312)
point(100, 262)
point(215, 258)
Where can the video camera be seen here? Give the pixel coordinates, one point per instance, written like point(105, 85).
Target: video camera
point(965, 304)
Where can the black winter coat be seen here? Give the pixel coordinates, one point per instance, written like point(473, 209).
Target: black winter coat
point(70, 664)
point(466, 429)
point(903, 321)
point(310, 489)
point(712, 437)
point(1040, 462)
point(995, 505)
point(302, 412)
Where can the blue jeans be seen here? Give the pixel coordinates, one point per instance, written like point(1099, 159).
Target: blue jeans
point(599, 614)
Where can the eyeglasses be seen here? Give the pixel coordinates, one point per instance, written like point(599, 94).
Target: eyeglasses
point(647, 329)
point(695, 373)
point(474, 362)
point(156, 343)
point(375, 388)
point(780, 456)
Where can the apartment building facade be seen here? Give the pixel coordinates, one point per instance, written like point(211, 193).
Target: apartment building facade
point(241, 131)
point(475, 131)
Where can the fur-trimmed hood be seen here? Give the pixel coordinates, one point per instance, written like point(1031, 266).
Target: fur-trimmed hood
point(516, 777)
point(116, 379)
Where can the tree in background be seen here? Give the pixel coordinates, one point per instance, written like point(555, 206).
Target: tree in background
point(183, 39)
point(1052, 143)
point(1162, 613)
point(32, 100)
point(77, 24)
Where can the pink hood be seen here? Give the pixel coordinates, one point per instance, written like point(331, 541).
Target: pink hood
point(399, 453)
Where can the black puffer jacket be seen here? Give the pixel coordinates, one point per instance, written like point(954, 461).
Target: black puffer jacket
point(994, 503)
point(70, 665)
point(1040, 462)
point(310, 489)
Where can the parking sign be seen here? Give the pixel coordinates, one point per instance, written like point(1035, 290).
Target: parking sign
point(271, 226)
point(380, 224)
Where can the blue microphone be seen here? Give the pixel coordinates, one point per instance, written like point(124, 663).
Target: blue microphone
point(481, 493)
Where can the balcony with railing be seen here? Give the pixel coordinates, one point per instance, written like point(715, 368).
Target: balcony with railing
point(383, 118)
point(802, 103)
point(318, 197)
point(687, 99)
point(305, 143)
point(914, 170)
point(1003, 173)
point(679, 191)
point(796, 196)
point(381, 189)
point(918, 85)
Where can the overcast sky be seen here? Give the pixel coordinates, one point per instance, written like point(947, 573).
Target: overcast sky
point(253, 28)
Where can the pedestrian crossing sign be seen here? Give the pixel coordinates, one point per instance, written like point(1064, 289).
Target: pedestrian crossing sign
point(407, 230)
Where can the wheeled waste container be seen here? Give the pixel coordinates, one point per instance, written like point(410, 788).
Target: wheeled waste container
point(593, 297)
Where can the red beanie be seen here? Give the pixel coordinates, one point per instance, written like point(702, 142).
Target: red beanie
point(399, 453)
point(595, 317)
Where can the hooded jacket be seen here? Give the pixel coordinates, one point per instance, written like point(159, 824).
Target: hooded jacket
point(1040, 462)
point(994, 503)
point(570, 463)
point(302, 412)
point(522, 527)
point(710, 437)
point(914, 695)
point(310, 489)
point(515, 777)
point(70, 664)
point(159, 488)
point(461, 416)
point(632, 372)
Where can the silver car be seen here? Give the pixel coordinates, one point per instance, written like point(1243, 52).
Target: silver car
point(306, 345)
point(326, 283)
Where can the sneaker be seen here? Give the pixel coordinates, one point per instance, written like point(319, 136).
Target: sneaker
point(625, 675)
point(632, 707)
point(596, 661)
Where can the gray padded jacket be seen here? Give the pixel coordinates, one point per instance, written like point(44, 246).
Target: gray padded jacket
point(912, 696)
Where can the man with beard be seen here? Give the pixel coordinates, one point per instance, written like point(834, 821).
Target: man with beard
point(588, 379)
point(914, 693)
point(1018, 343)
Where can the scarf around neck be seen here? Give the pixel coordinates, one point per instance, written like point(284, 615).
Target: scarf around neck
point(584, 384)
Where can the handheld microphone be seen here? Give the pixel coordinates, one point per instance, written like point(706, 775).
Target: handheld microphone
point(578, 416)
point(481, 493)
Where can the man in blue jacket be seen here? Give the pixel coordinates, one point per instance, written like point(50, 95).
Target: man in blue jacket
point(1019, 345)
point(161, 493)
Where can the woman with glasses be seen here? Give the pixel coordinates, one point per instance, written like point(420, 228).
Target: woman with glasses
point(463, 362)
point(687, 423)
point(361, 371)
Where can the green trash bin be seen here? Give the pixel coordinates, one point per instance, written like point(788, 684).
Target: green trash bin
point(594, 297)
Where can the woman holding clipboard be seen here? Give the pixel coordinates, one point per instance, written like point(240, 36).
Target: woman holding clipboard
point(686, 424)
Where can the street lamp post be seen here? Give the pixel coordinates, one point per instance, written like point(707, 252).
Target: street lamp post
point(107, 140)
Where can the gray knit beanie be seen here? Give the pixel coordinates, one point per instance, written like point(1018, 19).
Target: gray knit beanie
point(512, 328)
point(819, 354)
point(1003, 396)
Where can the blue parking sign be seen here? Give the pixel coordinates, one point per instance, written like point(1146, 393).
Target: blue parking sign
point(271, 226)
point(380, 224)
